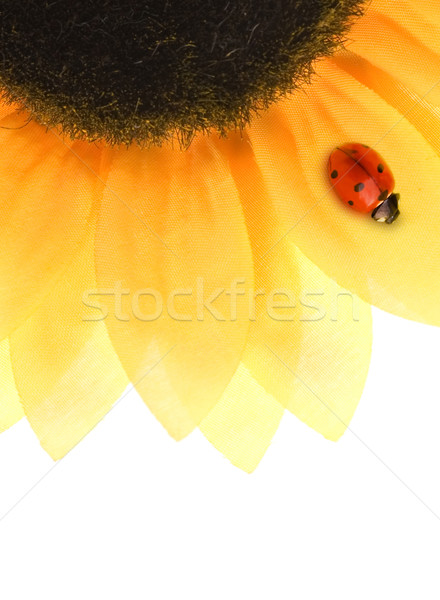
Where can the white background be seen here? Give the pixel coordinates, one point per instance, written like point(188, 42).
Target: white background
point(131, 514)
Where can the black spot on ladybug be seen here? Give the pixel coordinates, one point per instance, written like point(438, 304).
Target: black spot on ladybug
point(365, 146)
point(359, 187)
point(380, 168)
point(334, 174)
point(351, 202)
point(383, 196)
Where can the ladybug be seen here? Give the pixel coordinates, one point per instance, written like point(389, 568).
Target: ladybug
point(363, 180)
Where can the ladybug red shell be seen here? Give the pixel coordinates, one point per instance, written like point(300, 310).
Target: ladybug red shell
point(362, 179)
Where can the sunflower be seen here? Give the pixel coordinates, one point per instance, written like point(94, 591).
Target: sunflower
point(167, 219)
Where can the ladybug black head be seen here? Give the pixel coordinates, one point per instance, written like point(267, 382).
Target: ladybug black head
point(388, 211)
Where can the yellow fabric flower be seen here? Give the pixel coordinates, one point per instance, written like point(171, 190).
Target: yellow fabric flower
point(206, 275)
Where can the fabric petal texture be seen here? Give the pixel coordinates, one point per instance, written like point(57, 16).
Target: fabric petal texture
point(242, 424)
point(390, 31)
point(11, 409)
point(306, 331)
point(395, 267)
point(66, 371)
point(172, 241)
point(41, 220)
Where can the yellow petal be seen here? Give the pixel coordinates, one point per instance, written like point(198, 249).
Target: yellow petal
point(66, 370)
point(171, 245)
point(7, 109)
point(418, 111)
point(395, 267)
point(336, 337)
point(310, 342)
point(11, 410)
point(45, 195)
point(402, 38)
point(241, 425)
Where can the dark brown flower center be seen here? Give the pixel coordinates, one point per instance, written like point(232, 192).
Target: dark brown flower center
point(145, 70)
